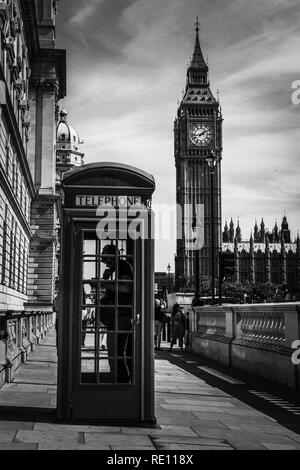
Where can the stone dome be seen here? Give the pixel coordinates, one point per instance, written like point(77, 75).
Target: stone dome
point(66, 134)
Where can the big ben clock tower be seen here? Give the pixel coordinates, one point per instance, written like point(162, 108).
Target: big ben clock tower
point(198, 135)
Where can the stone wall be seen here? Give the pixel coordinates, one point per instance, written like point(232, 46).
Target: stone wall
point(254, 338)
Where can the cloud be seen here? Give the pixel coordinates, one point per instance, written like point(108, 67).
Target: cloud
point(88, 9)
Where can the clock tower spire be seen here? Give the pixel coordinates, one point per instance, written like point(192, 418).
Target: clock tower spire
point(197, 62)
point(197, 133)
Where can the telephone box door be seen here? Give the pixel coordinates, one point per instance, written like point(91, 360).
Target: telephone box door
point(107, 322)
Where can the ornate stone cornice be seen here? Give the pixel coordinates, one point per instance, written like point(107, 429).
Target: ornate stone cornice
point(47, 60)
point(50, 85)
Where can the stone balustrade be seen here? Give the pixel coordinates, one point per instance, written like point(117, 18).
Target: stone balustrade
point(263, 329)
point(254, 337)
point(19, 333)
point(212, 323)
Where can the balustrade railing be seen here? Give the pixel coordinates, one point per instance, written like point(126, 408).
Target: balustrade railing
point(268, 326)
point(19, 332)
point(263, 329)
point(212, 323)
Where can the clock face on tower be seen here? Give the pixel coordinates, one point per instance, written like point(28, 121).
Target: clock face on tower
point(200, 133)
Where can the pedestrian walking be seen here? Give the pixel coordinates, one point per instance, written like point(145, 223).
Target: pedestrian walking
point(159, 320)
point(187, 330)
point(178, 318)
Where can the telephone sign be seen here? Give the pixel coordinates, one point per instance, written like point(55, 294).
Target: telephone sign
point(107, 201)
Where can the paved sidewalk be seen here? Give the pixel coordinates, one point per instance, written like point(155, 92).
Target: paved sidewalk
point(199, 406)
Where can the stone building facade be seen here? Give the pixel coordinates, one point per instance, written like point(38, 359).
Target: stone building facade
point(32, 81)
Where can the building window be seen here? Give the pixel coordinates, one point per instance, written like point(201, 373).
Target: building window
point(3, 139)
point(14, 248)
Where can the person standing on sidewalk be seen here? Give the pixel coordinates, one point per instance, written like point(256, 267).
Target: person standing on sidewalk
point(178, 320)
point(159, 317)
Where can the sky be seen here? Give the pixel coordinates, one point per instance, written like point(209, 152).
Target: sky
point(126, 69)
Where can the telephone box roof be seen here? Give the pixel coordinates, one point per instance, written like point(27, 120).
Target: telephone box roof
point(126, 174)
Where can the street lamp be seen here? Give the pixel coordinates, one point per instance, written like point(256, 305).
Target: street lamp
point(169, 284)
point(212, 161)
point(196, 300)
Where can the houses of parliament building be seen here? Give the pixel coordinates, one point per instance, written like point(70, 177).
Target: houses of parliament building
point(268, 256)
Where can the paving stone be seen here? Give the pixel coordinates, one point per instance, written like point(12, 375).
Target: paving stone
point(236, 420)
point(126, 447)
point(271, 446)
point(295, 437)
point(15, 425)
point(204, 416)
point(165, 430)
point(16, 446)
point(188, 440)
point(21, 387)
point(258, 427)
point(47, 437)
point(7, 435)
point(246, 445)
point(199, 402)
point(76, 428)
point(117, 439)
point(168, 446)
point(71, 446)
point(24, 399)
point(184, 418)
point(206, 409)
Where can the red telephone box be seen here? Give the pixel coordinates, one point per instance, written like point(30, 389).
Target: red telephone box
point(105, 323)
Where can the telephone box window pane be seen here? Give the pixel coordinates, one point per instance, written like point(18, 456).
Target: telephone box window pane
point(89, 270)
point(104, 367)
point(125, 247)
point(107, 317)
point(105, 375)
point(107, 292)
point(124, 345)
point(122, 246)
point(124, 319)
point(89, 295)
point(106, 345)
point(125, 293)
point(107, 273)
point(87, 339)
point(88, 325)
point(89, 246)
point(88, 370)
point(125, 270)
point(102, 340)
point(87, 317)
point(124, 368)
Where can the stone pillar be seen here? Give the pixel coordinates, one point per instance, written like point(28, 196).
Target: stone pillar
point(48, 131)
point(46, 12)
